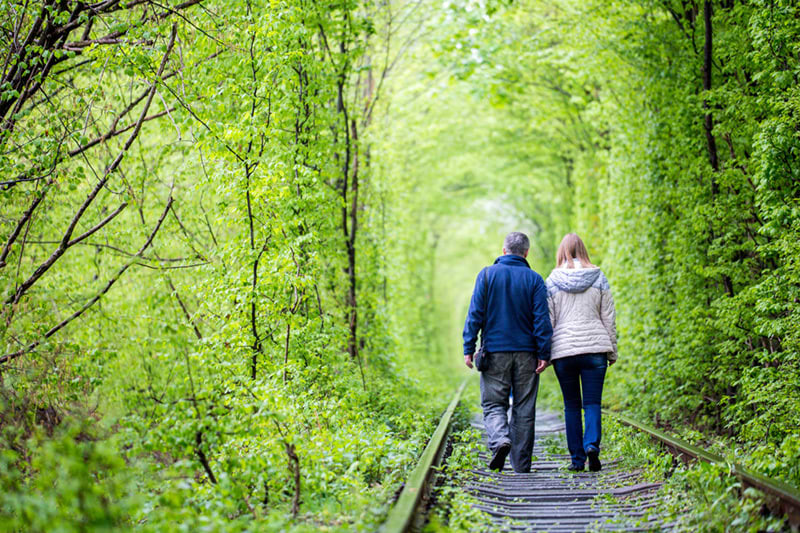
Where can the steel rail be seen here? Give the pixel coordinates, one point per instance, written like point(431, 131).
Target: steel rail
point(402, 515)
point(787, 496)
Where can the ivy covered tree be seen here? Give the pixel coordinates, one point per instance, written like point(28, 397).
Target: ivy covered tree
point(188, 246)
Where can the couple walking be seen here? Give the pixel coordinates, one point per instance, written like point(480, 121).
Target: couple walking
point(526, 325)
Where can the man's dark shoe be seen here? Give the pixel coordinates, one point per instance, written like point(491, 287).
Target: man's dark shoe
point(499, 458)
point(575, 468)
point(593, 454)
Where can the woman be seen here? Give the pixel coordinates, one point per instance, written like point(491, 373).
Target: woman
point(584, 344)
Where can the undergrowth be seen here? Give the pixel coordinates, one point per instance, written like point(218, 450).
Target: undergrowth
point(696, 496)
point(453, 508)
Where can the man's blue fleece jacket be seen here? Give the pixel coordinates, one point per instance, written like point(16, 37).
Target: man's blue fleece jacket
point(517, 318)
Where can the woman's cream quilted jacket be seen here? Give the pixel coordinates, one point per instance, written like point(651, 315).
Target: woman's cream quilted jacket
point(582, 312)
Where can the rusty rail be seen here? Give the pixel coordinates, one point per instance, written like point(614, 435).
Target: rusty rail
point(402, 516)
point(787, 496)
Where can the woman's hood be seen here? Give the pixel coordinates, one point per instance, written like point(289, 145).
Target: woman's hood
point(574, 279)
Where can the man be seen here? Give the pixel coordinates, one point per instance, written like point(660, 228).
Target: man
point(510, 310)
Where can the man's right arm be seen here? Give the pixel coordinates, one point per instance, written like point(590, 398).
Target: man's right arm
point(475, 317)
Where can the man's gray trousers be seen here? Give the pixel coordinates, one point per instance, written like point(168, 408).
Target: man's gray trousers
point(507, 372)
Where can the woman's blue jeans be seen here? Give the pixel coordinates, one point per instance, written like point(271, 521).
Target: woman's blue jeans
point(587, 372)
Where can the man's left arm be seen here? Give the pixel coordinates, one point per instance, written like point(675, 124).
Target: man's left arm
point(475, 319)
point(542, 329)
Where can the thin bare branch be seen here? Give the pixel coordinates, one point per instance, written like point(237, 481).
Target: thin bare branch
point(10, 356)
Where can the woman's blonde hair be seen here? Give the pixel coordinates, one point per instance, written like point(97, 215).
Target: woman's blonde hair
point(572, 247)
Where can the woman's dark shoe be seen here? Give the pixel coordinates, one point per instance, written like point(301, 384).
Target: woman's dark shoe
point(499, 458)
point(593, 454)
point(575, 468)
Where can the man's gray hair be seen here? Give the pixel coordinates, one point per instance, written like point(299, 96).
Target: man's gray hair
point(516, 243)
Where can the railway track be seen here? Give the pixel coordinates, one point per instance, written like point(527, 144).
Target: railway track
point(554, 500)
